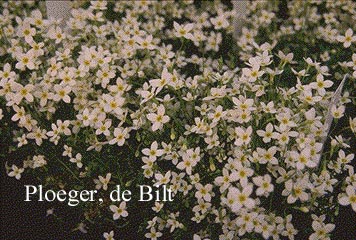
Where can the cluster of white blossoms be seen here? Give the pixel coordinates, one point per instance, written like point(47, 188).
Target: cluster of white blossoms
point(146, 92)
point(323, 30)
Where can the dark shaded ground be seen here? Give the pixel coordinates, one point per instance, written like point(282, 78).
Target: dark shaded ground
point(27, 220)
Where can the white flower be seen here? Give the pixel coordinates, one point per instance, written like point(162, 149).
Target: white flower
point(295, 191)
point(203, 191)
point(57, 129)
point(148, 163)
point(158, 206)
point(190, 160)
point(286, 58)
point(154, 152)
point(268, 134)
point(269, 108)
point(85, 117)
point(38, 134)
point(337, 112)
point(25, 60)
point(146, 43)
point(56, 34)
point(62, 93)
point(16, 172)
point(145, 93)
point(290, 231)
point(166, 78)
point(77, 160)
point(183, 31)
point(322, 230)
point(158, 119)
point(217, 114)
point(108, 236)
point(67, 151)
point(236, 199)
point(342, 158)
point(264, 185)
point(285, 121)
point(173, 223)
point(63, 127)
point(44, 95)
point(19, 115)
point(1, 115)
point(119, 211)
point(339, 141)
point(284, 137)
point(162, 180)
point(243, 136)
point(103, 128)
point(6, 74)
point(347, 39)
point(23, 92)
point(102, 182)
point(219, 22)
point(312, 119)
point(37, 48)
point(243, 173)
point(350, 197)
point(22, 140)
point(225, 181)
point(213, 41)
point(320, 84)
point(202, 206)
point(186, 164)
point(104, 75)
point(54, 134)
point(39, 161)
point(54, 67)
point(25, 30)
point(120, 135)
point(212, 141)
point(99, 5)
point(303, 159)
point(254, 72)
point(153, 234)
